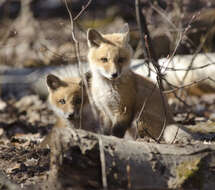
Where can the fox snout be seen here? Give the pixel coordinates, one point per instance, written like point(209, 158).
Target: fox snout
point(112, 73)
point(72, 116)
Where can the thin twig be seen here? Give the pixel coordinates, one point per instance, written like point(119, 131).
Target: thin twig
point(191, 68)
point(77, 51)
point(180, 38)
point(82, 10)
point(149, 54)
point(185, 86)
point(211, 79)
point(102, 156)
point(139, 22)
point(57, 55)
point(77, 55)
point(195, 55)
point(141, 112)
point(176, 96)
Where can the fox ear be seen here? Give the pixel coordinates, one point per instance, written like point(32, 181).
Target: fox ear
point(126, 32)
point(53, 82)
point(94, 38)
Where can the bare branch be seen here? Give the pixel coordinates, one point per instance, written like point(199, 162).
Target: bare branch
point(82, 10)
point(185, 86)
point(102, 156)
point(149, 54)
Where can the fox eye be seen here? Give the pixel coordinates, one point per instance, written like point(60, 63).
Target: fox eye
point(104, 59)
point(62, 101)
point(121, 59)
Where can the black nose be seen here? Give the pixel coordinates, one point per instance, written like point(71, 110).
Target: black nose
point(114, 75)
point(71, 116)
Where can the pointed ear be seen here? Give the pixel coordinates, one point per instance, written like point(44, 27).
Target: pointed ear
point(53, 82)
point(94, 38)
point(126, 32)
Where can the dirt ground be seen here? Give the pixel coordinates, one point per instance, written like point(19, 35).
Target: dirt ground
point(23, 125)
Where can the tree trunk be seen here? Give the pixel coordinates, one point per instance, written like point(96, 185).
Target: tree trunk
point(76, 162)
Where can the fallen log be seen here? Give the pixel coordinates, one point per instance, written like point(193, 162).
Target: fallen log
point(76, 162)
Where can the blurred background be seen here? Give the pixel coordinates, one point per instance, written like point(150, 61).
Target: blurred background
point(37, 32)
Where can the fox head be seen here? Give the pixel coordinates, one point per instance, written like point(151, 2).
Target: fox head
point(66, 96)
point(109, 54)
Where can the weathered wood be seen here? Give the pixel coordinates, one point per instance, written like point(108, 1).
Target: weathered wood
point(6, 184)
point(75, 162)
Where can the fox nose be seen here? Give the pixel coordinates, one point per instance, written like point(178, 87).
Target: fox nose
point(71, 116)
point(114, 75)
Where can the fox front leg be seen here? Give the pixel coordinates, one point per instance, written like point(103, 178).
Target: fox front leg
point(121, 125)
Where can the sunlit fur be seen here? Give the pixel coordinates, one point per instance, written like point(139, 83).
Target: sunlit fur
point(120, 98)
point(76, 103)
point(69, 94)
point(113, 51)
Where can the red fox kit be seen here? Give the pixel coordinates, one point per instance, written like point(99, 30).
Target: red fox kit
point(67, 97)
point(117, 92)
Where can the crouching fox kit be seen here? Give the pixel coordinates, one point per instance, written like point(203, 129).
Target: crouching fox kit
point(118, 93)
point(69, 101)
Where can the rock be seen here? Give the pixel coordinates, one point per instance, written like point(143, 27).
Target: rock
point(212, 116)
point(2, 105)
point(27, 101)
point(1, 132)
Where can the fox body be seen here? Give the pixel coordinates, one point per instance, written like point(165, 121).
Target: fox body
point(118, 92)
point(68, 99)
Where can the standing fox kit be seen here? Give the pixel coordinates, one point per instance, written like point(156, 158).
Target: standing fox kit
point(117, 92)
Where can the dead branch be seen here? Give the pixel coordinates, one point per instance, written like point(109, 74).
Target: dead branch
point(82, 10)
point(149, 54)
point(77, 51)
point(185, 86)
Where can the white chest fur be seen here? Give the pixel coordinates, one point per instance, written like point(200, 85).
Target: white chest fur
point(106, 96)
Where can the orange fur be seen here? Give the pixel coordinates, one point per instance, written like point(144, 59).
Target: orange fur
point(68, 99)
point(119, 93)
point(70, 102)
